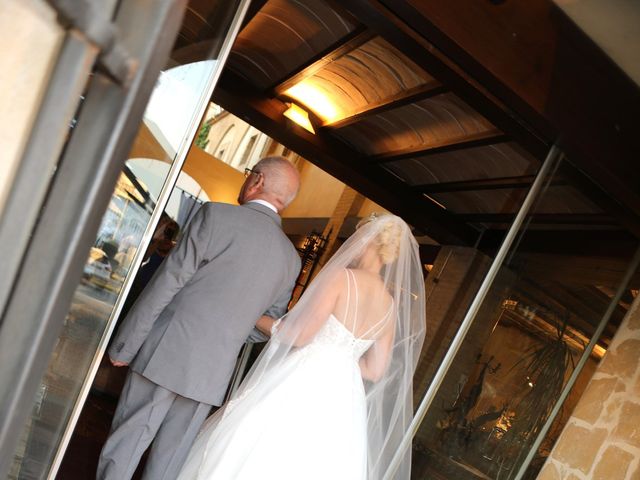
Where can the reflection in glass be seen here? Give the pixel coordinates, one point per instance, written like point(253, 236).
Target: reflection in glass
point(103, 275)
point(160, 139)
point(533, 326)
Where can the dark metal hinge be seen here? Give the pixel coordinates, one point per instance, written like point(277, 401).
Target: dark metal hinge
point(86, 18)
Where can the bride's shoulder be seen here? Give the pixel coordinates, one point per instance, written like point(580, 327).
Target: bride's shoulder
point(365, 275)
point(335, 279)
point(368, 281)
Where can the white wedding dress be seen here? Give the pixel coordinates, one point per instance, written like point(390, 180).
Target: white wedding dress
point(309, 420)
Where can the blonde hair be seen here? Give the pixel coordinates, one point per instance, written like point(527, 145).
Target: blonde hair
point(388, 238)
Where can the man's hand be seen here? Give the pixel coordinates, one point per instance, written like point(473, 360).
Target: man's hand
point(116, 363)
point(265, 324)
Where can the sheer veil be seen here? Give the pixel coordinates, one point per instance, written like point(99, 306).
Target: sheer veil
point(383, 307)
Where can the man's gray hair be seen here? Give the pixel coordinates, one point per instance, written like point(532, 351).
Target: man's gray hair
point(281, 178)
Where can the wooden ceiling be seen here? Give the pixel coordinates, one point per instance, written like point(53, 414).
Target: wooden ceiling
point(402, 121)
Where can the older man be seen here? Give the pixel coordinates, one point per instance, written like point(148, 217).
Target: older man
point(233, 265)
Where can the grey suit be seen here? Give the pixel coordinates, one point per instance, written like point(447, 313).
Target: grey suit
point(184, 333)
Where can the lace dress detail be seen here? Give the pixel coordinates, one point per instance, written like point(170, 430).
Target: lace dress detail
point(336, 336)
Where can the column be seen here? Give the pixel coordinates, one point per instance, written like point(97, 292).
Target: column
point(348, 205)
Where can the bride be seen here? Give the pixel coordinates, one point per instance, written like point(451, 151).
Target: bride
point(330, 397)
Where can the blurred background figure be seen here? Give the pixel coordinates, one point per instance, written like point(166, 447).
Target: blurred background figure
point(162, 242)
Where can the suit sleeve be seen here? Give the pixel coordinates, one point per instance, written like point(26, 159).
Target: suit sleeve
point(279, 308)
point(174, 272)
point(256, 336)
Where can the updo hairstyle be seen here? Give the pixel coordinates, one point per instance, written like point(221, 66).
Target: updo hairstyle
point(388, 238)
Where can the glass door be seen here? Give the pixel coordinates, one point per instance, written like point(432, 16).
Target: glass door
point(519, 361)
point(164, 137)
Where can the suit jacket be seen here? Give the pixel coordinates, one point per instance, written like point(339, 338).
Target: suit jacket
point(185, 331)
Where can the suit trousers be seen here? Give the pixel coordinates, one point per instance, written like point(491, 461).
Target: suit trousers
point(147, 411)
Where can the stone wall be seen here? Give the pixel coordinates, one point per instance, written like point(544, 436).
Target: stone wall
point(601, 441)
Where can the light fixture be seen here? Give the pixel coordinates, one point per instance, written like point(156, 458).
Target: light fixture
point(299, 116)
point(316, 99)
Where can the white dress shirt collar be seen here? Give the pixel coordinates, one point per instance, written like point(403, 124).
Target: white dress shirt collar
point(265, 203)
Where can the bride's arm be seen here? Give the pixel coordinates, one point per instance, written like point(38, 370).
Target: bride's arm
point(318, 310)
point(374, 363)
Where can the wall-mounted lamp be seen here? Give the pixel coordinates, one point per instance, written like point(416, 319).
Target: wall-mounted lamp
point(299, 116)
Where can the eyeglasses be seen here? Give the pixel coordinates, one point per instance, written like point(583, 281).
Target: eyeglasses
point(249, 171)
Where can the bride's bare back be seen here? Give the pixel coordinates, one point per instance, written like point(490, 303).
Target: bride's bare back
point(363, 305)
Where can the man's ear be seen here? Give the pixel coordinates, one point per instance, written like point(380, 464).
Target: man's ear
point(259, 184)
point(254, 187)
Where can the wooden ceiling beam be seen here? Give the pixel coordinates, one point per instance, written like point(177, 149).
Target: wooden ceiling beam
point(266, 114)
point(596, 292)
point(601, 243)
point(534, 58)
point(345, 45)
point(428, 253)
point(575, 272)
point(541, 218)
point(410, 32)
point(624, 215)
point(450, 145)
point(379, 19)
point(523, 181)
point(254, 7)
point(407, 97)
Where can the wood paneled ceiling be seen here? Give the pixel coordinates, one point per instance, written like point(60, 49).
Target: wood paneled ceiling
point(398, 120)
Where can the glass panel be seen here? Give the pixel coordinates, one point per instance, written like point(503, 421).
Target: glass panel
point(163, 136)
point(543, 307)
